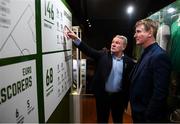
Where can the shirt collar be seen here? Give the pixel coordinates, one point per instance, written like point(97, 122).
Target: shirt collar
point(116, 58)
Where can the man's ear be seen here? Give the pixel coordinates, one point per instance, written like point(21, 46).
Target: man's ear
point(150, 35)
point(123, 48)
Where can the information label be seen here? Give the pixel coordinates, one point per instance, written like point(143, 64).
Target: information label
point(17, 28)
point(57, 79)
point(18, 93)
point(55, 18)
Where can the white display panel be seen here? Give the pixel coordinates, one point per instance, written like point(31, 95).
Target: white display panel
point(55, 17)
point(57, 79)
point(18, 93)
point(17, 28)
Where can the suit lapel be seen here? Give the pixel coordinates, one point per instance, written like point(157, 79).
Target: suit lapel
point(124, 64)
point(139, 68)
point(109, 65)
point(142, 63)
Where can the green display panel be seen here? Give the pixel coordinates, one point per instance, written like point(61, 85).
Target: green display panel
point(35, 59)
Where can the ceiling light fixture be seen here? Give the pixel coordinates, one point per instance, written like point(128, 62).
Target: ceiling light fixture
point(130, 9)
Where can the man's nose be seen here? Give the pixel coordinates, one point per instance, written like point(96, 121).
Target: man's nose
point(113, 45)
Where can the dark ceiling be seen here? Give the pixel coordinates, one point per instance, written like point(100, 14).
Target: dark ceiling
point(109, 17)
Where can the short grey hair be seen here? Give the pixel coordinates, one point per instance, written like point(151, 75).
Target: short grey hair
point(123, 38)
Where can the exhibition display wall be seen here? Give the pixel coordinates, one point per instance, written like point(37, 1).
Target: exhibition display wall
point(35, 59)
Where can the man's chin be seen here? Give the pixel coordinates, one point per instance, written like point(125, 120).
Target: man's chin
point(138, 43)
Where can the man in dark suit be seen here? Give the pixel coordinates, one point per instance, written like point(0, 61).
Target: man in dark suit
point(150, 77)
point(111, 79)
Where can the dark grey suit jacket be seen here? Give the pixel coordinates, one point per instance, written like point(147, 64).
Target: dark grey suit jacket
point(103, 69)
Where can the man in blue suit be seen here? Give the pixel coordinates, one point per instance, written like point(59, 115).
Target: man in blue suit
point(150, 77)
point(111, 79)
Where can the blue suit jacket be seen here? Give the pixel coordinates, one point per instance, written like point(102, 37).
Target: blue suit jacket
point(149, 84)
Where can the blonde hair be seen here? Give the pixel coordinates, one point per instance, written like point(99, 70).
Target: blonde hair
point(149, 24)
